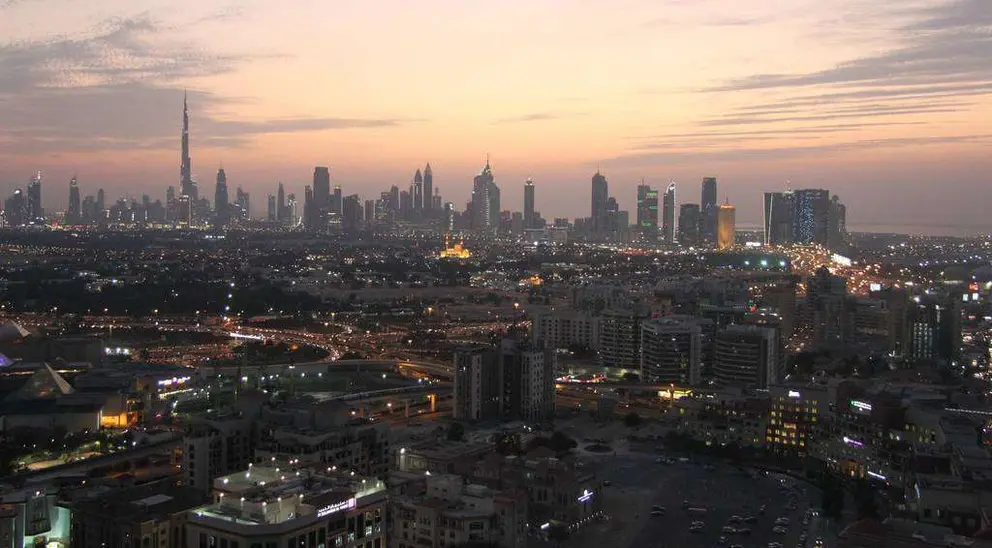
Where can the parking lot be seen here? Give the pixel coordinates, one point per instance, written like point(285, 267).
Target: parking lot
point(716, 492)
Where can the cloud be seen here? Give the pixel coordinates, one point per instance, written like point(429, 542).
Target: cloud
point(946, 44)
point(116, 87)
point(643, 159)
point(783, 132)
point(910, 110)
point(142, 116)
point(534, 117)
point(118, 51)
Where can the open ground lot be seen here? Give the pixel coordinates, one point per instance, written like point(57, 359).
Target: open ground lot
point(637, 482)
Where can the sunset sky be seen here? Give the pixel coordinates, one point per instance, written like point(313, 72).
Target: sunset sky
point(886, 103)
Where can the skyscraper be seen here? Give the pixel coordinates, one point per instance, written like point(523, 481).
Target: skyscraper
point(244, 204)
point(668, 215)
point(74, 214)
point(689, 224)
point(417, 191)
point(36, 214)
point(337, 201)
point(429, 190)
point(779, 218)
point(322, 186)
point(281, 204)
point(187, 187)
point(15, 209)
point(726, 226)
point(529, 204)
point(647, 212)
point(272, 215)
point(600, 196)
point(708, 210)
point(222, 214)
point(837, 233)
point(482, 213)
point(811, 216)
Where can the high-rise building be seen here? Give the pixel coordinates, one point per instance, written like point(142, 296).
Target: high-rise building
point(668, 215)
point(484, 216)
point(244, 204)
point(811, 216)
point(779, 218)
point(449, 216)
point(429, 191)
point(35, 211)
point(187, 187)
point(15, 209)
point(222, 214)
point(529, 204)
point(708, 210)
point(935, 328)
point(527, 375)
point(671, 350)
point(747, 355)
point(351, 213)
point(322, 186)
point(281, 204)
point(74, 214)
point(101, 202)
point(647, 212)
point(600, 196)
point(689, 224)
point(292, 213)
point(272, 215)
point(477, 386)
point(620, 337)
point(417, 191)
point(726, 226)
point(826, 308)
point(837, 232)
point(337, 201)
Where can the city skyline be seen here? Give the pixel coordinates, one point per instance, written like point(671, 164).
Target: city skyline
point(94, 92)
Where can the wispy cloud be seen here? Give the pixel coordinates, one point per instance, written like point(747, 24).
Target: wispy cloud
point(650, 158)
point(947, 44)
point(533, 117)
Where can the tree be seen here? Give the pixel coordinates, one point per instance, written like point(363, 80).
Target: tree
point(632, 420)
point(864, 500)
point(833, 499)
point(456, 432)
point(558, 533)
point(561, 443)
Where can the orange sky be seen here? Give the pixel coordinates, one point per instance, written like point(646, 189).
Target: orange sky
point(877, 103)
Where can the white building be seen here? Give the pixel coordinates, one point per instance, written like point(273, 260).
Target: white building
point(280, 505)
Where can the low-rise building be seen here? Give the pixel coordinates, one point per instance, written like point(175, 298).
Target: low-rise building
point(449, 513)
point(282, 505)
point(151, 515)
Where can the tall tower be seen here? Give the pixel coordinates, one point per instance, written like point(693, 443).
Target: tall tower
point(75, 212)
point(428, 190)
point(647, 212)
point(668, 215)
point(529, 204)
point(417, 191)
point(35, 212)
point(482, 199)
point(708, 210)
point(726, 226)
point(221, 208)
point(186, 185)
point(600, 195)
point(281, 204)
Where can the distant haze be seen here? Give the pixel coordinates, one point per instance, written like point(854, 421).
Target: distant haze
point(887, 104)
